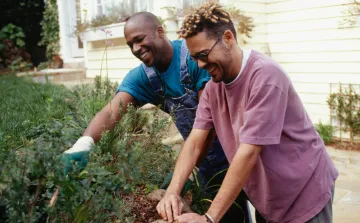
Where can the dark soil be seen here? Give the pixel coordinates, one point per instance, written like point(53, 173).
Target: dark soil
point(142, 209)
point(345, 145)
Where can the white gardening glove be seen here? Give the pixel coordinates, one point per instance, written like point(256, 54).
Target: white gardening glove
point(79, 153)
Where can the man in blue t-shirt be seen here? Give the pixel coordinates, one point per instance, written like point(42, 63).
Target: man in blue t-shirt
point(167, 77)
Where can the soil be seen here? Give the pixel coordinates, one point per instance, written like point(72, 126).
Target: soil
point(142, 209)
point(4, 71)
point(345, 145)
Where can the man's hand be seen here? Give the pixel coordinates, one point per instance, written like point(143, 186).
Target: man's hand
point(170, 206)
point(78, 153)
point(191, 218)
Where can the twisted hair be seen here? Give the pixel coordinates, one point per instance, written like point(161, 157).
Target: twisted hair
point(209, 17)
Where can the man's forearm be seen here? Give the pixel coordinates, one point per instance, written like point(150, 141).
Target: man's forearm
point(104, 120)
point(107, 118)
point(184, 166)
point(187, 159)
point(235, 179)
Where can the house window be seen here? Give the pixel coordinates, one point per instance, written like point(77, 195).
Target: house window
point(103, 7)
point(99, 7)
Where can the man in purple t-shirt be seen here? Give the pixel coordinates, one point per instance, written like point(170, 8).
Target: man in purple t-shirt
point(275, 153)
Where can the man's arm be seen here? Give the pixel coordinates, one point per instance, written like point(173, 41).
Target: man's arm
point(235, 179)
point(107, 118)
point(170, 206)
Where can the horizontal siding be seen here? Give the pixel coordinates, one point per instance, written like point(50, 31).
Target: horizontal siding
point(295, 5)
point(249, 6)
point(325, 78)
point(313, 57)
point(316, 46)
point(340, 68)
point(314, 35)
point(114, 63)
point(307, 14)
point(307, 25)
point(309, 41)
point(119, 60)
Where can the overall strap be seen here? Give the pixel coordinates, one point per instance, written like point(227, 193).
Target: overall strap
point(154, 79)
point(185, 78)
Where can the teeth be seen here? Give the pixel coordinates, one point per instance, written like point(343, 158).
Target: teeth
point(212, 70)
point(144, 55)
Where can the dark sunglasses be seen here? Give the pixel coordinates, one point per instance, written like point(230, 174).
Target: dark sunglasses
point(203, 56)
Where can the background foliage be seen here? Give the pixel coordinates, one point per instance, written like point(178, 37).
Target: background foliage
point(50, 29)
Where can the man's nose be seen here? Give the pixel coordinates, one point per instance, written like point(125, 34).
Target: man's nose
point(201, 63)
point(136, 48)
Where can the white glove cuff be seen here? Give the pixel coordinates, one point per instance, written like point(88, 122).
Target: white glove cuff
point(82, 144)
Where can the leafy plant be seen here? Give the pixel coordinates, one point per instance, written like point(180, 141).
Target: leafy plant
point(20, 65)
point(13, 33)
point(50, 30)
point(352, 13)
point(325, 131)
point(346, 104)
point(48, 120)
point(244, 24)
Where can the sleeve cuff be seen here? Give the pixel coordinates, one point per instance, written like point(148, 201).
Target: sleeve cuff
point(259, 141)
point(202, 125)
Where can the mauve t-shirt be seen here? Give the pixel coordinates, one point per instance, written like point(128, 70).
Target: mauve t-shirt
point(294, 175)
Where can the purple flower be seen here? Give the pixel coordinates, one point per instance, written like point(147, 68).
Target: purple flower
point(102, 29)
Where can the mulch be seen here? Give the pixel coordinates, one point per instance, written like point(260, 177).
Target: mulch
point(345, 145)
point(142, 209)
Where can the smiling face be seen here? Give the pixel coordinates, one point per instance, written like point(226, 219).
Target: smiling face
point(218, 61)
point(144, 40)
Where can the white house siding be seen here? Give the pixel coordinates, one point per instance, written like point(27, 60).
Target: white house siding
point(306, 37)
point(257, 10)
point(119, 59)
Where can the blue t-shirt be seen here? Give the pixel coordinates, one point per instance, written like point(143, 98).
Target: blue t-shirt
point(137, 84)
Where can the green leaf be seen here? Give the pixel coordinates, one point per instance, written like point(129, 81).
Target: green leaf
point(20, 42)
point(20, 34)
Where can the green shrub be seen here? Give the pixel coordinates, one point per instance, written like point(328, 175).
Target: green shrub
point(13, 33)
point(325, 131)
point(346, 105)
point(50, 30)
point(39, 122)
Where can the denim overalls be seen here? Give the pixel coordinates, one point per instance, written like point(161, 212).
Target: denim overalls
point(184, 110)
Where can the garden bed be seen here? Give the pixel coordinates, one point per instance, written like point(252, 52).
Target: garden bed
point(345, 145)
point(40, 121)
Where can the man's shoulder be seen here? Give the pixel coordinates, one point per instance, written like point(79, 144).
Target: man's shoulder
point(262, 61)
point(135, 75)
point(177, 43)
point(136, 72)
point(267, 71)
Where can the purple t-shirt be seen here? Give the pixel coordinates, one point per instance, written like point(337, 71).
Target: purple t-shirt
point(294, 175)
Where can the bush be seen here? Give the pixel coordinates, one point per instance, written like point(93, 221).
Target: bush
point(39, 122)
point(325, 131)
point(346, 105)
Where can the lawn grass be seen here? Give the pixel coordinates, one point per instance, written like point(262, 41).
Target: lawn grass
point(25, 104)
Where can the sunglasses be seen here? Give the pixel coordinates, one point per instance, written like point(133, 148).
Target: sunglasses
point(203, 56)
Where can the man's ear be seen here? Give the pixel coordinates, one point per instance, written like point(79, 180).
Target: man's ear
point(229, 39)
point(160, 30)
